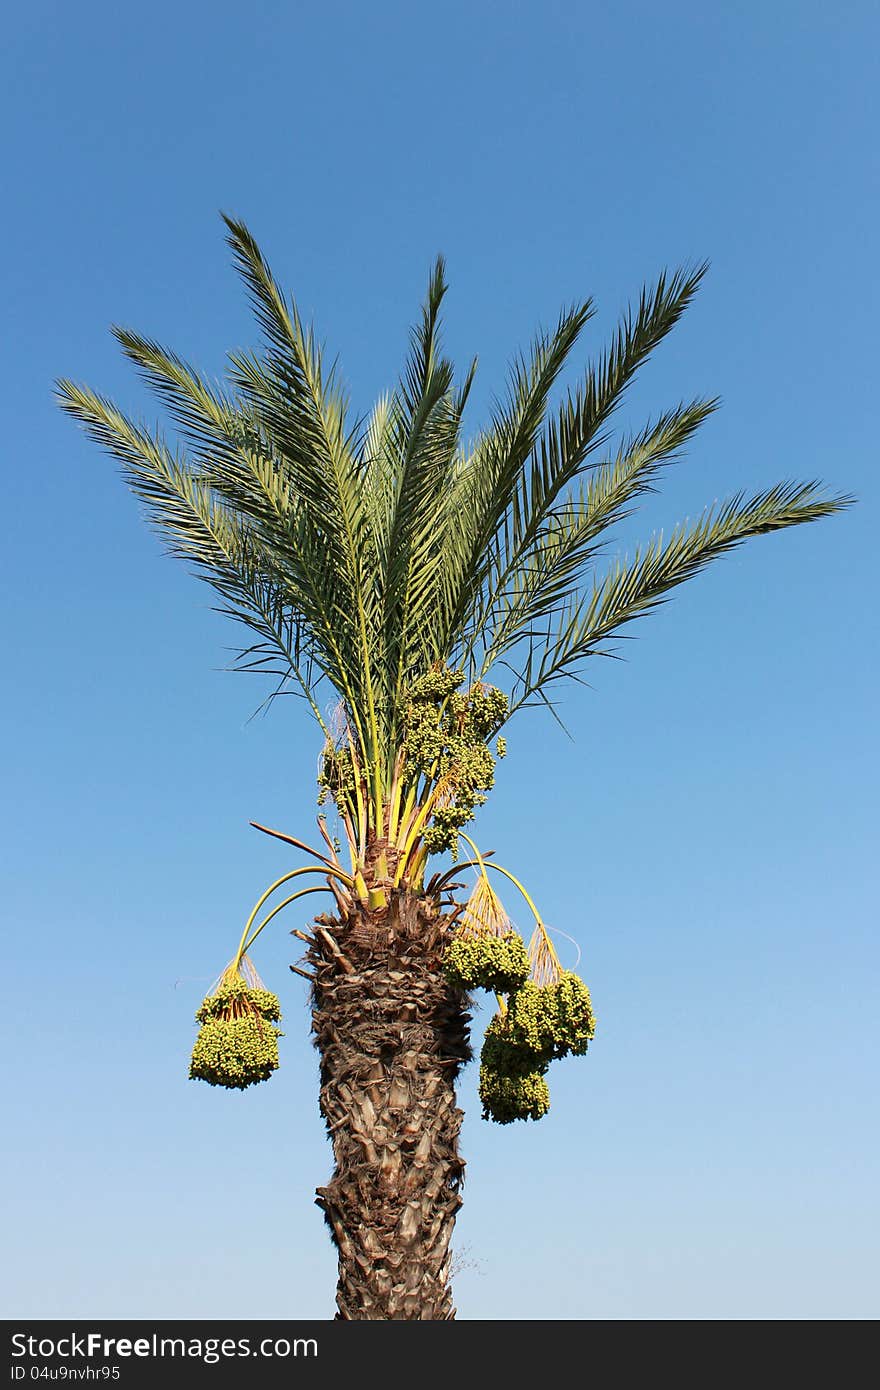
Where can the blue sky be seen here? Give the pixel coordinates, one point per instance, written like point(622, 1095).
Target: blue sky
point(710, 836)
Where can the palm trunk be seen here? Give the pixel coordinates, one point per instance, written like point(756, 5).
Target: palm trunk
point(392, 1036)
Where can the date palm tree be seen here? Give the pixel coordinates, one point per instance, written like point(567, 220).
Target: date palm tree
point(394, 564)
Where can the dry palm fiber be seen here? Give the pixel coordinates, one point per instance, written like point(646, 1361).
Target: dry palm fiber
point(483, 913)
point(546, 966)
point(237, 1044)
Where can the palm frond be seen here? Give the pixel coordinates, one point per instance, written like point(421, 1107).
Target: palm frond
point(302, 409)
point(368, 553)
point(484, 486)
point(202, 531)
point(236, 463)
point(549, 573)
point(426, 424)
point(637, 585)
point(568, 442)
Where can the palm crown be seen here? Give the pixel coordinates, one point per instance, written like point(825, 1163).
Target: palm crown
point(405, 566)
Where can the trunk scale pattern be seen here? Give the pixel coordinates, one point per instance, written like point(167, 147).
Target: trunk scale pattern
point(392, 1037)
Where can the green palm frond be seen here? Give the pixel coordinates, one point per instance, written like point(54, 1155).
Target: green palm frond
point(302, 411)
point(568, 441)
point(199, 529)
point(549, 573)
point(236, 463)
point(635, 586)
point(369, 553)
point(427, 421)
point(484, 487)
point(377, 466)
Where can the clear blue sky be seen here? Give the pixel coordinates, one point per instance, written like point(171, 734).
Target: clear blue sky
point(707, 838)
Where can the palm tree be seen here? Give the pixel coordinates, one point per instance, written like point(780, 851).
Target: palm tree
point(401, 567)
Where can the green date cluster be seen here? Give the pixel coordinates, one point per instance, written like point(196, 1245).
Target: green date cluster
point(499, 963)
point(553, 1020)
point(236, 995)
point(447, 738)
point(237, 1043)
point(508, 1097)
point(336, 777)
point(540, 1022)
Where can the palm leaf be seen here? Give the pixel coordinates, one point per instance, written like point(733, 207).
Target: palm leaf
point(550, 571)
point(568, 441)
point(202, 531)
point(635, 586)
point(483, 490)
point(368, 553)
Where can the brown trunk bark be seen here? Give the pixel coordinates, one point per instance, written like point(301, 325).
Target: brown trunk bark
point(391, 1036)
